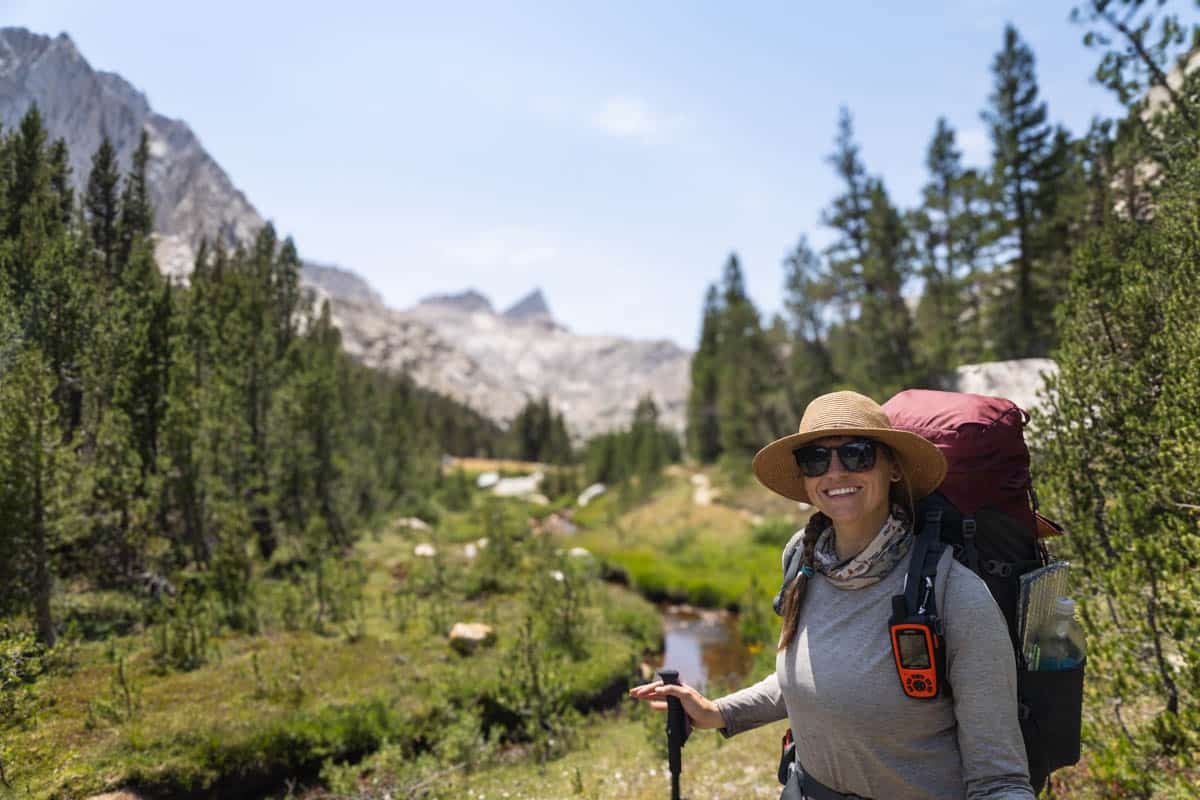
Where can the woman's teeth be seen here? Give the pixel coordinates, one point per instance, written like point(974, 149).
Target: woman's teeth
point(839, 492)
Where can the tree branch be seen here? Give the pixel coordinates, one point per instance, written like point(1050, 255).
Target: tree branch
point(1164, 669)
point(1120, 720)
point(1157, 76)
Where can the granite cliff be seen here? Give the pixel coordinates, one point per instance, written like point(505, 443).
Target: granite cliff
point(456, 343)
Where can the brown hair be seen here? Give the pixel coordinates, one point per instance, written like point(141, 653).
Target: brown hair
point(899, 494)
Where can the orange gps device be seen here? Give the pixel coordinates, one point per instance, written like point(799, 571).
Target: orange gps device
point(914, 646)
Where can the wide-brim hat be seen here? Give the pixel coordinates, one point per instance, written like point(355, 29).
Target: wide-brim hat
point(848, 414)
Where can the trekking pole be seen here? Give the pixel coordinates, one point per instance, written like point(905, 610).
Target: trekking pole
point(677, 730)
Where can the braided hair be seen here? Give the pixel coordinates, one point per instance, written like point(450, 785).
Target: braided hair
point(793, 598)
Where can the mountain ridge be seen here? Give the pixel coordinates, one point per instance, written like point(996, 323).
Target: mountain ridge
point(492, 361)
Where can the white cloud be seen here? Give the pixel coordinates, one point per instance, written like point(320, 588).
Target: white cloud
point(632, 118)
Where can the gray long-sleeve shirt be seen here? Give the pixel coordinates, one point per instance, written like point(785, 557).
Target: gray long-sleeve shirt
point(855, 729)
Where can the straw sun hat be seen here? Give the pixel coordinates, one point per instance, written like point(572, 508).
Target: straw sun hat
point(848, 414)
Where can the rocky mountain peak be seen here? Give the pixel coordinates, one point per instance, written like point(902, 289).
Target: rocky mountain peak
point(532, 306)
point(467, 300)
point(193, 197)
point(455, 343)
point(341, 283)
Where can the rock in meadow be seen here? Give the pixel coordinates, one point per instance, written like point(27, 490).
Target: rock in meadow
point(467, 637)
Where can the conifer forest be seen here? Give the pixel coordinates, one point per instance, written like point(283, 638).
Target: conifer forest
point(237, 562)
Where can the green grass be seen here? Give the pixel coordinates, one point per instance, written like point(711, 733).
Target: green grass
point(283, 702)
point(618, 755)
point(671, 548)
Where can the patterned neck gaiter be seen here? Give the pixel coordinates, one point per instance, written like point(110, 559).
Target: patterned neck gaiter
point(875, 561)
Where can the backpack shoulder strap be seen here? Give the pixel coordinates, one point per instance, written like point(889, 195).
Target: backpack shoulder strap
point(926, 579)
point(920, 588)
point(791, 567)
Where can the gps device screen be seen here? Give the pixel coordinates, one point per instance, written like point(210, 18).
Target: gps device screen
point(913, 651)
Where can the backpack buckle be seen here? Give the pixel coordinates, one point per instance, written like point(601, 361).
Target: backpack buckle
point(1002, 568)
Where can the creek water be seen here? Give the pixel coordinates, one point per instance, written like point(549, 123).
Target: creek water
point(704, 645)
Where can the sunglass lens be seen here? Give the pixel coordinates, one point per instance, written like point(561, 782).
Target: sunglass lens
point(858, 456)
point(814, 461)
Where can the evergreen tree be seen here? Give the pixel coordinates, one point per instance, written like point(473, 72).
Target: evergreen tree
point(1119, 455)
point(540, 434)
point(136, 220)
point(952, 232)
point(806, 300)
point(869, 265)
point(60, 182)
point(305, 470)
point(648, 451)
point(703, 429)
point(1022, 144)
point(1141, 42)
point(101, 205)
point(35, 510)
point(751, 400)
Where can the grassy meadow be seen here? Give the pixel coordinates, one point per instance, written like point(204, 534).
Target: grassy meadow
point(372, 702)
point(177, 706)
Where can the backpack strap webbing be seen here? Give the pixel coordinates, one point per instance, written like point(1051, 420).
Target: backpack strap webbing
point(920, 585)
point(922, 569)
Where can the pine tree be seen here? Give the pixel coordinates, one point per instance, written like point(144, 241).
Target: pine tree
point(136, 218)
point(751, 401)
point(101, 205)
point(806, 300)
point(1119, 453)
point(1021, 139)
point(1141, 42)
point(953, 231)
point(648, 455)
point(60, 182)
point(869, 265)
point(38, 466)
point(703, 429)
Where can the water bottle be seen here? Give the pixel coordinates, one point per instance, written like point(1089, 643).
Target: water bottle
point(1060, 643)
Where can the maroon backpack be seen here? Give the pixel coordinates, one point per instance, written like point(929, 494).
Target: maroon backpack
point(986, 510)
point(990, 508)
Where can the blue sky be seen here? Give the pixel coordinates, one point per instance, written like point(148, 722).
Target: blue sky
point(612, 154)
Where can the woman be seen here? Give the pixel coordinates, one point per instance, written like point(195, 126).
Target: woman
point(835, 679)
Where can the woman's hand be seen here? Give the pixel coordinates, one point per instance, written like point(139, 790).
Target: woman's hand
point(702, 711)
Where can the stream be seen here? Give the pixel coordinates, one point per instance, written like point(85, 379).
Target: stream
point(704, 645)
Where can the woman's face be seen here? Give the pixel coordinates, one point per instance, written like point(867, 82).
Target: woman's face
point(846, 497)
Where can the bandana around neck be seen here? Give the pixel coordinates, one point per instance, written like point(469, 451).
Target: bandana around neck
point(875, 561)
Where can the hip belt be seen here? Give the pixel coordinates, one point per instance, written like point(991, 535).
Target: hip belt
point(800, 785)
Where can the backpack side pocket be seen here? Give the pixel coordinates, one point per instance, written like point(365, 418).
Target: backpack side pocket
point(1051, 715)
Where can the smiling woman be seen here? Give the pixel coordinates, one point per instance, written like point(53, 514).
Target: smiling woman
point(861, 730)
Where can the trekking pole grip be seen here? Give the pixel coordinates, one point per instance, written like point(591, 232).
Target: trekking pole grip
point(677, 732)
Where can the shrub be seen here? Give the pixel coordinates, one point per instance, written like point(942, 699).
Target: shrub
point(22, 660)
point(1118, 454)
point(774, 531)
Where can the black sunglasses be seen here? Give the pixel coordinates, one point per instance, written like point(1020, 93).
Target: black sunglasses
point(856, 456)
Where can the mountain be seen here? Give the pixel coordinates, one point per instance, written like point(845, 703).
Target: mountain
point(192, 195)
point(530, 307)
point(337, 282)
point(595, 381)
point(453, 343)
point(467, 302)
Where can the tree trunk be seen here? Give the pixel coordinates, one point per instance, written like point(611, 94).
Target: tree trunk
point(41, 568)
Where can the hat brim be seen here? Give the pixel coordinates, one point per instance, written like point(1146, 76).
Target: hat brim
point(922, 462)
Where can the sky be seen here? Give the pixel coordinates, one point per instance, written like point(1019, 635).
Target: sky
point(612, 154)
